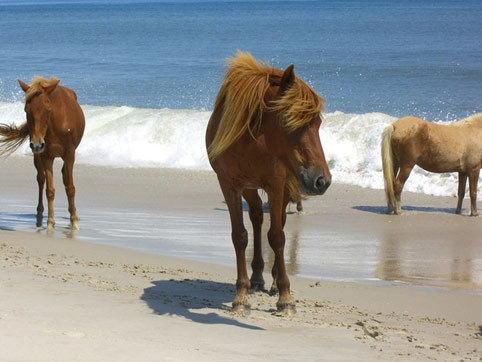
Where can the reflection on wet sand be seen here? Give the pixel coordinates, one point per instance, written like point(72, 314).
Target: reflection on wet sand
point(442, 251)
point(291, 252)
point(430, 260)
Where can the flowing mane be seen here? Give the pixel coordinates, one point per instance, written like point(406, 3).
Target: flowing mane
point(38, 84)
point(244, 97)
point(475, 119)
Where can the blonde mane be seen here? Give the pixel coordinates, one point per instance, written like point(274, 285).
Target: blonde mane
point(37, 86)
point(473, 119)
point(244, 91)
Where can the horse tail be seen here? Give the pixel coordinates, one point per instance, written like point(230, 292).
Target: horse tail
point(387, 164)
point(12, 137)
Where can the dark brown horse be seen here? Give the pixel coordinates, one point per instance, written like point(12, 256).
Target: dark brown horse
point(55, 125)
point(437, 148)
point(263, 134)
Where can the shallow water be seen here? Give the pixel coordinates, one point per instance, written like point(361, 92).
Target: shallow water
point(374, 255)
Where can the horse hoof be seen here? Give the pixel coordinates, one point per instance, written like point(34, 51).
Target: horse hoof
point(50, 226)
point(240, 308)
point(286, 310)
point(474, 214)
point(257, 285)
point(75, 225)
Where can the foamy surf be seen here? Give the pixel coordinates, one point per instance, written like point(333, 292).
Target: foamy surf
point(172, 138)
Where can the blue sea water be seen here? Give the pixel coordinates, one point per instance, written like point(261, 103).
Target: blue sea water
point(418, 57)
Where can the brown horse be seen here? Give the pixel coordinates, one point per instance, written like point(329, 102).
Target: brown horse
point(263, 134)
point(437, 148)
point(55, 125)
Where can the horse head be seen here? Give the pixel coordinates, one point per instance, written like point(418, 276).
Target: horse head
point(38, 109)
point(291, 132)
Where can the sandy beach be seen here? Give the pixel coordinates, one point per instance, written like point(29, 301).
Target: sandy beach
point(87, 296)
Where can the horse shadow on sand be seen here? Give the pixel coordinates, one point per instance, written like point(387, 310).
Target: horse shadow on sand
point(184, 297)
point(382, 210)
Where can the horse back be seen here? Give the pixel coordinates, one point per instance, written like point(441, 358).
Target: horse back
point(213, 123)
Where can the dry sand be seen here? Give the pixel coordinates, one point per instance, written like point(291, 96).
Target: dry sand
point(63, 299)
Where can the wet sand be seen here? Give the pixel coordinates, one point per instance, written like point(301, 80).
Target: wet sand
point(67, 297)
point(344, 235)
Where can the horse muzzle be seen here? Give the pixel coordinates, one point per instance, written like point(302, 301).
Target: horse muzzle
point(314, 182)
point(37, 147)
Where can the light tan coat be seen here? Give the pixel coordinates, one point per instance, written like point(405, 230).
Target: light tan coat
point(436, 148)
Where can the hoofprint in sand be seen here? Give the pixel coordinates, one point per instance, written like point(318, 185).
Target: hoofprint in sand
point(67, 299)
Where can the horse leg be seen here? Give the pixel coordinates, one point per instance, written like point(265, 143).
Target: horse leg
point(276, 239)
point(473, 180)
point(396, 169)
point(68, 177)
point(461, 192)
point(274, 271)
point(256, 217)
point(396, 166)
point(48, 165)
point(299, 206)
point(239, 236)
point(41, 182)
point(399, 182)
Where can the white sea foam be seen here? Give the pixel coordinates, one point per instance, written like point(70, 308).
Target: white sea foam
point(133, 137)
point(141, 137)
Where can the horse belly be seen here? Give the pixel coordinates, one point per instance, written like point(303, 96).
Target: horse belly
point(440, 162)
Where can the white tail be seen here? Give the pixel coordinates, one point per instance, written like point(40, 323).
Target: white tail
point(387, 164)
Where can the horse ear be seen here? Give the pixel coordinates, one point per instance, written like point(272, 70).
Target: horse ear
point(288, 77)
point(50, 88)
point(24, 86)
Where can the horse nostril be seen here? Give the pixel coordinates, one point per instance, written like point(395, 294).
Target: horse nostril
point(31, 145)
point(320, 183)
point(42, 145)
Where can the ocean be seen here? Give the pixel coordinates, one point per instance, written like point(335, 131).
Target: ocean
point(147, 73)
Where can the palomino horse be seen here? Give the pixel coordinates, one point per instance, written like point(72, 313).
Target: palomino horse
point(263, 134)
point(437, 148)
point(55, 125)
